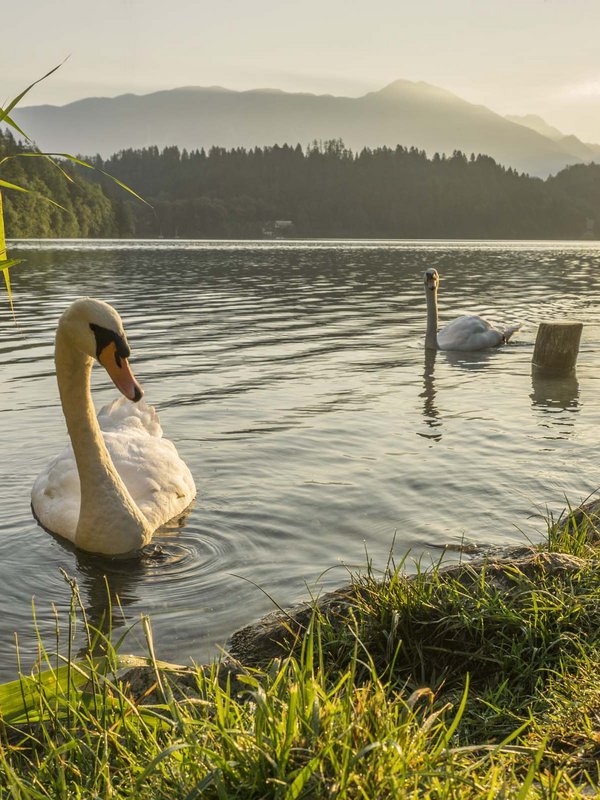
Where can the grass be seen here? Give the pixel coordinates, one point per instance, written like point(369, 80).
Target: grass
point(475, 682)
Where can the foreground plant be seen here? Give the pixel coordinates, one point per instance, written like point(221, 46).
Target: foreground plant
point(54, 158)
point(5, 262)
point(473, 684)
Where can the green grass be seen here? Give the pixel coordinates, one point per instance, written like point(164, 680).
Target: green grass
point(468, 683)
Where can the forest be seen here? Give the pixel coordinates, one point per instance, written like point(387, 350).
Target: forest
point(323, 190)
point(80, 208)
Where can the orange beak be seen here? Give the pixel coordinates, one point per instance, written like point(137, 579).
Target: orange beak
point(120, 373)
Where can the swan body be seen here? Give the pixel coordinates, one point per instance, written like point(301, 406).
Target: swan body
point(464, 333)
point(119, 479)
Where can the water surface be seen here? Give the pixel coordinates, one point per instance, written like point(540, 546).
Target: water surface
point(293, 380)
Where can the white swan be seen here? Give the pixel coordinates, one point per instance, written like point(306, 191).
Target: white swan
point(463, 333)
point(119, 480)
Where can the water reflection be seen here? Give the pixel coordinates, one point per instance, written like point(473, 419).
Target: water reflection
point(111, 587)
point(293, 392)
point(107, 587)
point(431, 414)
point(553, 393)
point(470, 361)
point(556, 397)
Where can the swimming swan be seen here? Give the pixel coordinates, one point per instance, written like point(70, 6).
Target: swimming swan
point(119, 480)
point(463, 333)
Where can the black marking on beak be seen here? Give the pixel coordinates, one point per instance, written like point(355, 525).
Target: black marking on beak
point(104, 336)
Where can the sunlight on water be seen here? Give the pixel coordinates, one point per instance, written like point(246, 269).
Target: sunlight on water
point(292, 377)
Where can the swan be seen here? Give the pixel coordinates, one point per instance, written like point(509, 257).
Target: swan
point(464, 333)
point(119, 480)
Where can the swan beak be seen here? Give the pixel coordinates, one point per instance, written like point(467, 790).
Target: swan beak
point(120, 372)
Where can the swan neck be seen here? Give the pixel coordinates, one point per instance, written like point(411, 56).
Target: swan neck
point(73, 370)
point(109, 520)
point(432, 319)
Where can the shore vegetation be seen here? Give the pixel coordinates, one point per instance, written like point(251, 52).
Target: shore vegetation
point(322, 191)
point(471, 681)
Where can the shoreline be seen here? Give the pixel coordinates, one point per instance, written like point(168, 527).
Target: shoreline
point(278, 633)
point(478, 679)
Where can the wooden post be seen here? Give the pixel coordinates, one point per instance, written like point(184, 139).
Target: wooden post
point(557, 346)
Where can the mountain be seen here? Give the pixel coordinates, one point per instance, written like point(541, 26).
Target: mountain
point(536, 124)
point(583, 151)
point(405, 113)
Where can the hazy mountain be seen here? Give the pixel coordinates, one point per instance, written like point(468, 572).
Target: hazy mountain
point(536, 124)
point(405, 113)
point(583, 151)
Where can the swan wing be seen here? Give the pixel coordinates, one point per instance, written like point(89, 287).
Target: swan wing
point(56, 495)
point(469, 333)
point(157, 479)
point(159, 482)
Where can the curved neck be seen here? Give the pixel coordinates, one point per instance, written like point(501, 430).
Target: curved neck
point(432, 319)
point(109, 520)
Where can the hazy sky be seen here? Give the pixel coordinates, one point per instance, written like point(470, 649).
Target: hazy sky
point(515, 56)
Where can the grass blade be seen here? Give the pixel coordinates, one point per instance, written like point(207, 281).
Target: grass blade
point(9, 121)
point(160, 757)
point(5, 264)
point(455, 722)
point(16, 100)
point(14, 186)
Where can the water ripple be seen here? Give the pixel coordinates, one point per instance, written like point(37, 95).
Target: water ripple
point(292, 377)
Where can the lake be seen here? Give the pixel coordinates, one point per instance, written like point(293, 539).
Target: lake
point(292, 378)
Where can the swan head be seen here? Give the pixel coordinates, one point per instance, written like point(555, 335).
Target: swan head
point(95, 329)
point(431, 279)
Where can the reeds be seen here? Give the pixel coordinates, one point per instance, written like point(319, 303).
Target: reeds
point(57, 159)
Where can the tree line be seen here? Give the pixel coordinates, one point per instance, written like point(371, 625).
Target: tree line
point(80, 208)
point(324, 190)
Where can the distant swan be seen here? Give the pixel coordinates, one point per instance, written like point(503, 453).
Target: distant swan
point(119, 480)
point(463, 333)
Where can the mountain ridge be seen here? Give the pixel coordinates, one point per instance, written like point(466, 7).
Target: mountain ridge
point(406, 113)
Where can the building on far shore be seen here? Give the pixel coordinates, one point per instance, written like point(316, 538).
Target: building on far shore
point(590, 229)
point(279, 229)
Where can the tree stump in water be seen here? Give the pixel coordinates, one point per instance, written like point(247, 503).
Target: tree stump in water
point(557, 346)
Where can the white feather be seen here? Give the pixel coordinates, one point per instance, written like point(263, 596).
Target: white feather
point(159, 482)
point(119, 479)
point(464, 333)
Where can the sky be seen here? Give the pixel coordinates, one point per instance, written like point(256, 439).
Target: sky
point(514, 56)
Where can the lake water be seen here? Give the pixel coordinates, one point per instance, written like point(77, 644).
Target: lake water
point(293, 380)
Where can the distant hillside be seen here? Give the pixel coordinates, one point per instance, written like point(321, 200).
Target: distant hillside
point(537, 124)
point(582, 151)
point(329, 191)
point(405, 113)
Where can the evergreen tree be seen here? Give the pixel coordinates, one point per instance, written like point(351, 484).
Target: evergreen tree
point(86, 210)
point(325, 190)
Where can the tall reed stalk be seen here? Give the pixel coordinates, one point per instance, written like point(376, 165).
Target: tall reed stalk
point(55, 158)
